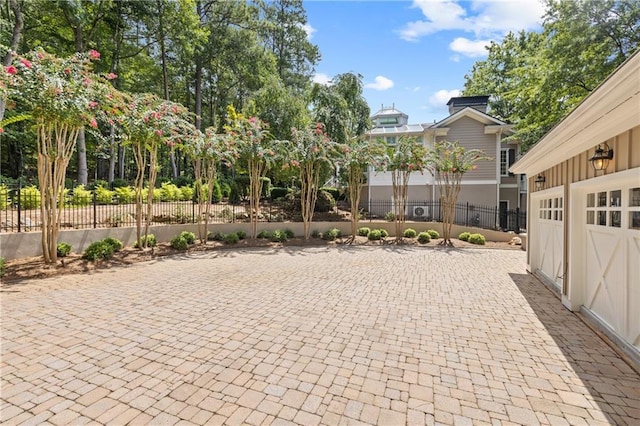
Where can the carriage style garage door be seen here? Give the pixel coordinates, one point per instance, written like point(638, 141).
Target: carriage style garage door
point(547, 222)
point(606, 252)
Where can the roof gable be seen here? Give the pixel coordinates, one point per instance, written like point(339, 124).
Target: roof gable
point(470, 112)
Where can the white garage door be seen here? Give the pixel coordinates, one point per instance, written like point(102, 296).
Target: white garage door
point(609, 243)
point(547, 223)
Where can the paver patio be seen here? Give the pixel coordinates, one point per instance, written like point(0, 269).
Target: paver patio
point(387, 336)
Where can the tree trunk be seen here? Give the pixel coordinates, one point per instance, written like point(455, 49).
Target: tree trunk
point(112, 155)
point(83, 172)
point(15, 41)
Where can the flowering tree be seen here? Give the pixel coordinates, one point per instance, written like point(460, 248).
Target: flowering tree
point(310, 151)
point(148, 123)
point(359, 154)
point(207, 152)
point(250, 140)
point(58, 93)
point(448, 162)
point(403, 159)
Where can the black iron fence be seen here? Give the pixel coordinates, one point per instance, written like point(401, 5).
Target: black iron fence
point(20, 211)
point(466, 214)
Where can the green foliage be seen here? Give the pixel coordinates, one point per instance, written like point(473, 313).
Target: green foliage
point(433, 234)
point(363, 231)
point(331, 234)
point(231, 238)
point(264, 234)
point(216, 195)
point(98, 250)
point(335, 192)
point(410, 233)
point(4, 197)
point(187, 193)
point(125, 194)
point(266, 187)
point(190, 237)
point(374, 235)
point(424, 237)
point(218, 236)
point(278, 236)
point(103, 195)
point(156, 197)
point(316, 234)
point(170, 192)
point(81, 196)
point(384, 233)
point(390, 216)
point(29, 198)
point(325, 202)
point(241, 235)
point(464, 236)
point(235, 195)
point(150, 240)
point(289, 233)
point(279, 192)
point(2, 267)
point(119, 183)
point(179, 243)
point(63, 249)
point(114, 242)
point(225, 188)
point(477, 239)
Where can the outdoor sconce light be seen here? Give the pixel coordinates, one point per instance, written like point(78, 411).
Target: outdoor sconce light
point(600, 159)
point(540, 179)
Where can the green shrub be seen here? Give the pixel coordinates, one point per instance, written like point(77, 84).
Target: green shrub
point(4, 197)
point(98, 250)
point(104, 196)
point(189, 236)
point(119, 183)
point(114, 242)
point(384, 233)
point(218, 236)
point(390, 216)
point(266, 187)
point(216, 195)
point(81, 196)
point(278, 236)
point(125, 194)
point(96, 183)
point(169, 192)
point(225, 188)
point(335, 192)
point(186, 193)
point(29, 198)
point(477, 239)
point(279, 192)
point(264, 234)
point(374, 235)
point(2, 267)
point(289, 233)
point(433, 234)
point(241, 235)
point(364, 231)
point(464, 236)
point(179, 243)
point(331, 234)
point(235, 196)
point(316, 234)
point(63, 249)
point(324, 203)
point(156, 197)
point(231, 238)
point(410, 233)
point(424, 237)
point(150, 240)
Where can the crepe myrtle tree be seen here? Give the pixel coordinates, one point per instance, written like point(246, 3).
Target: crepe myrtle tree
point(448, 162)
point(310, 152)
point(358, 155)
point(255, 153)
point(406, 157)
point(60, 95)
point(147, 123)
point(207, 152)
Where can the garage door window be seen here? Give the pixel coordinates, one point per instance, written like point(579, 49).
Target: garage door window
point(551, 208)
point(604, 208)
point(634, 208)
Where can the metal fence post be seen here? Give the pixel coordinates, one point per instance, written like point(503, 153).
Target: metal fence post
point(95, 209)
point(19, 203)
point(517, 220)
point(467, 223)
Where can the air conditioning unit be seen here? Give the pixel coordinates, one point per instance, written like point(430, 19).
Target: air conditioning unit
point(420, 212)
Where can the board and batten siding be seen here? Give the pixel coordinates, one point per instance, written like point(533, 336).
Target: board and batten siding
point(470, 134)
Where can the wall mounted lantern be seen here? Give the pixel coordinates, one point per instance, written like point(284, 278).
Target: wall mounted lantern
point(600, 159)
point(540, 179)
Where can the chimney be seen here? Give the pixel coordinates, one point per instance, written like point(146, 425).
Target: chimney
point(477, 102)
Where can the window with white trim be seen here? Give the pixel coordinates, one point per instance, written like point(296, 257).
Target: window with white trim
point(551, 208)
point(604, 208)
point(507, 158)
point(634, 208)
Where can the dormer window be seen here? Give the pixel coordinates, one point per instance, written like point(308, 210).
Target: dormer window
point(388, 121)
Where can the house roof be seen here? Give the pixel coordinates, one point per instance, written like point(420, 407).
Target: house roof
point(471, 113)
point(389, 111)
point(468, 101)
point(610, 109)
point(398, 130)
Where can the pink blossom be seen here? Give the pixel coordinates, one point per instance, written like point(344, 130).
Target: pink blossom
point(39, 55)
point(67, 71)
point(252, 120)
point(93, 123)
point(93, 104)
point(314, 149)
point(475, 167)
point(94, 54)
point(11, 70)
point(145, 119)
point(86, 81)
point(25, 62)
point(112, 76)
point(159, 132)
point(1, 130)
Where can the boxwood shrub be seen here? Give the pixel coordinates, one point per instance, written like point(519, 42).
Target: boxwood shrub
point(374, 235)
point(179, 243)
point(114, 242)
point(477, 239)
point(424, 237)
point(231, 238)
point(331, 234)
point(190, 237)
point(464, 236)
point(63, 249)
point(410, 233)
point(433, 234)
point(364, 231)
point(98, 250)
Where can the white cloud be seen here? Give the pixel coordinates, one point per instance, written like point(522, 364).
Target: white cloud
point(416, 89)
point(381, 83)
point(321, 78)
point(309, 30)
point(441, 97)
point(455, 58)
point(485, 19)
point(470, 48)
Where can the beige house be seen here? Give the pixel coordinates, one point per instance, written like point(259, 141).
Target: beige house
point(469, 124)
point(584, 223)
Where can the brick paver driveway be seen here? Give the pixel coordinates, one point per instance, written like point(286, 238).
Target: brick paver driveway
point(334, 336)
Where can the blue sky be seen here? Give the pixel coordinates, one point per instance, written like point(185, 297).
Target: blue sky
point(413, 54)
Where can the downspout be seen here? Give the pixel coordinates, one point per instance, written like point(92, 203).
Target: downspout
point(498, 178)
